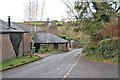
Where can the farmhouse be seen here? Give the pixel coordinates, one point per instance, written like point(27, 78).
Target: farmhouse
point(50, 41)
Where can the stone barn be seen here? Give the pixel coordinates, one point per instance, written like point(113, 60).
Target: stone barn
point(12, 42)
point(51, 41)
point(15, 39)
point(27, 36)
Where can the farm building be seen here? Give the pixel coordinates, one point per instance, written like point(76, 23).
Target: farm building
point(51, 41)
point(27, 36)
point(14, 38)
point(11, 36)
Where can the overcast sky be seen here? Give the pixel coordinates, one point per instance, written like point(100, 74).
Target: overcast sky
point(54, 9)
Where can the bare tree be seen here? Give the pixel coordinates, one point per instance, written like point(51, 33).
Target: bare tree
point(70, 9)
point(31, 14)
point(31, 10)
point(42, 11)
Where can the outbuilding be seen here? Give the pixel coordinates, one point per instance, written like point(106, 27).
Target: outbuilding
point(15, 39)
point(50, 41)
point(11, 40)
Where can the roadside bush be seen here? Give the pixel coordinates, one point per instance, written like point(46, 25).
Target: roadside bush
point(66, 37)
point(108, 48)
point(90, 49)
point(96, 37)
point(43, 49)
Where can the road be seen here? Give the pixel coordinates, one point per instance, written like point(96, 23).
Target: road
point(64, 65)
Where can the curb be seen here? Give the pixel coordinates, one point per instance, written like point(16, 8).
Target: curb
point(44, 56)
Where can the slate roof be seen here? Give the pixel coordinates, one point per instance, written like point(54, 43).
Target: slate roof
point(26, 27)
point(5, 28)
point(43, 37)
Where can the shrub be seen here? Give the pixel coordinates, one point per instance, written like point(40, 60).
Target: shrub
point(43, 49)
point(90, 49)
point(66, 37)
point(96, 37)
point(108, 48)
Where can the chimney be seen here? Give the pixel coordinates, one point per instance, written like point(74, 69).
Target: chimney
point(9, 22)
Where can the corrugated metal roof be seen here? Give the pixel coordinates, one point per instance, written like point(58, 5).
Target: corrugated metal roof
point(44, 37)
point(5, 28)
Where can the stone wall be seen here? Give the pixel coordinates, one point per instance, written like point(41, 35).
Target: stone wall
point(7, 48)
point(21, 48)
point(50, 47)
point(0, 48)
point(76, 45)
point(63, 46)
point(27, 37)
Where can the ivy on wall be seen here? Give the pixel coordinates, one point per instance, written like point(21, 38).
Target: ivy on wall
point(16, 40)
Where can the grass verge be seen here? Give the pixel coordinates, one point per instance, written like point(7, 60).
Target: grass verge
point(17, 62)
point(94, 58)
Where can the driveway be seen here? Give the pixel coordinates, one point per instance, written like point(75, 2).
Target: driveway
point(64, 65)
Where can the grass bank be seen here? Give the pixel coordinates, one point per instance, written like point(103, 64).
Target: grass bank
point(95, 58)
point(18, 61)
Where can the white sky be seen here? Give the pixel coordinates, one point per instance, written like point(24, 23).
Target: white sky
point(54, 9)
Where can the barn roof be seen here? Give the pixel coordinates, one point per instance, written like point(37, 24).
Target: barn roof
point(5, 28)
point(44, 37)
point(26, 27)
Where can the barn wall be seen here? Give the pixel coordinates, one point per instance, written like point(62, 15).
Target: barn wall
point(7, 51)
point(7, 48)
point(50, 47)
point(27, 37)
point(63, 47)
point(60, 46)
point(0, 48)
point(21, 48)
